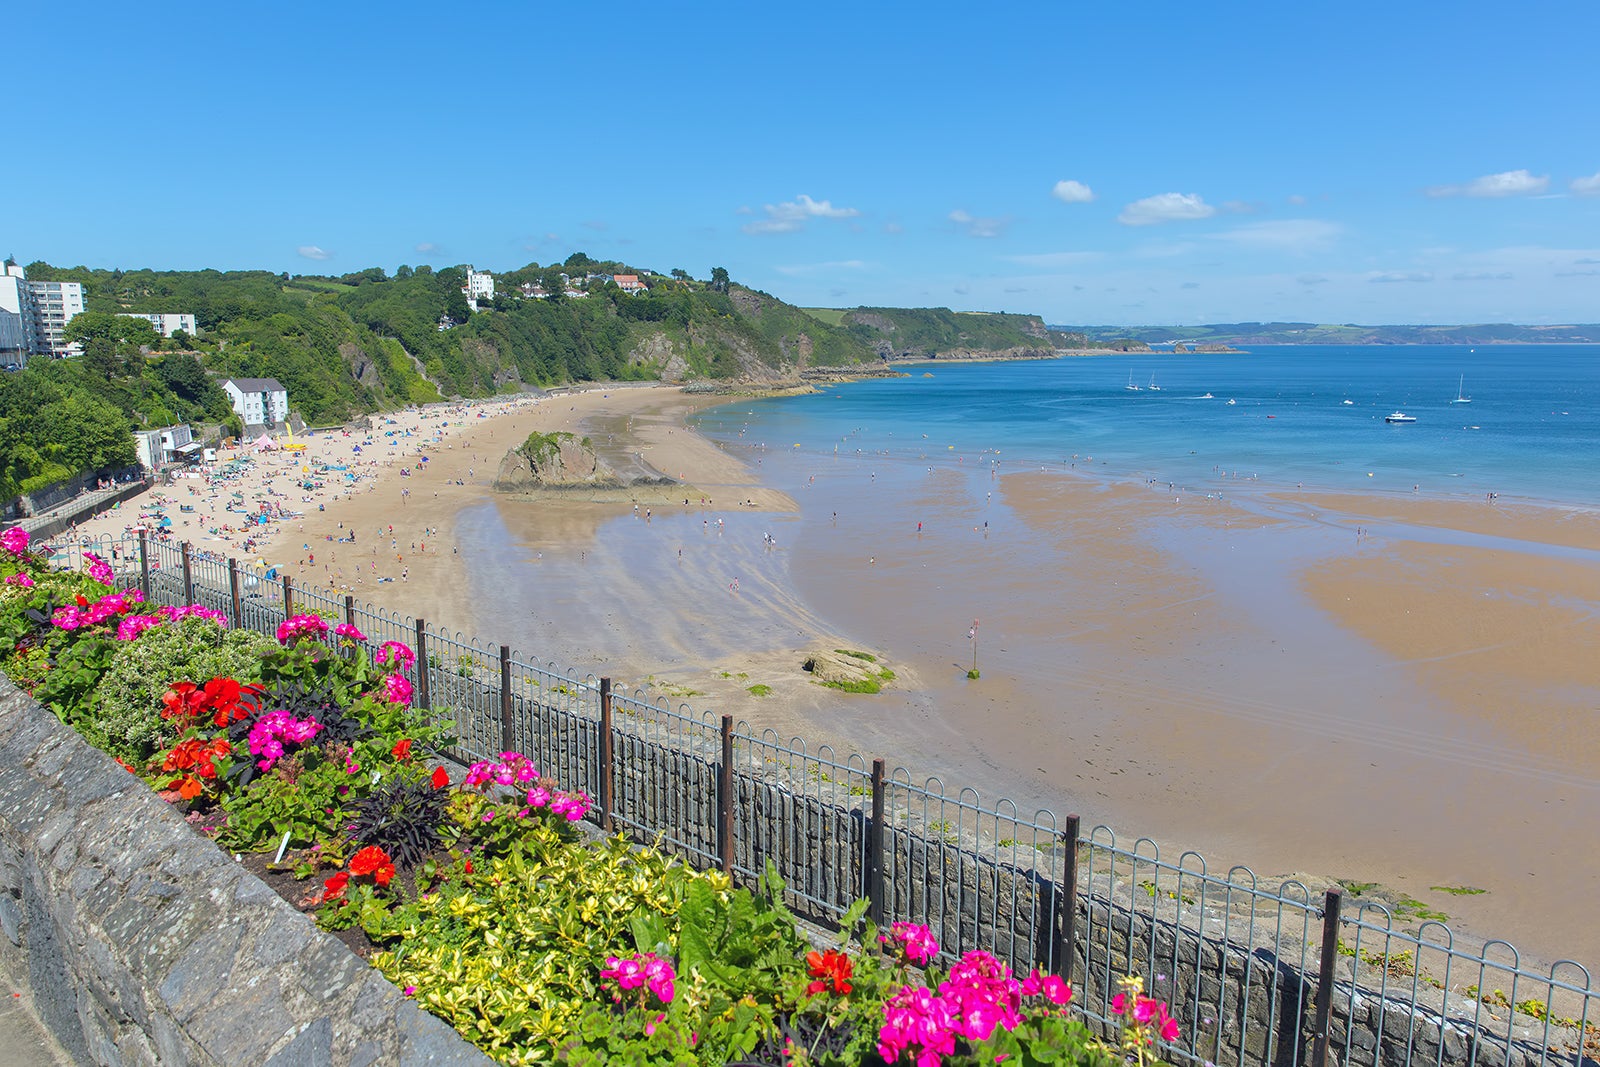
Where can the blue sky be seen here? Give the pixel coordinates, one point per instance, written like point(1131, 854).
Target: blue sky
point(1111, 163)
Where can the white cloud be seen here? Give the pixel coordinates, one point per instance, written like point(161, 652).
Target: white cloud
point(1297, 200)
point(1071, 192)
point(1312, 279)
point(1054, 259)
point(1506, 183)
point(1401, 276)
point(313, 252)
point(1166, 207)
point(792, 215)
point(1288, 235)
point(978, 227)
point(428, 248)
point(1589, 186)
point(1481, 276)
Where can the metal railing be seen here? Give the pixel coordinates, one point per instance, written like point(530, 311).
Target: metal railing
point(1256, 973)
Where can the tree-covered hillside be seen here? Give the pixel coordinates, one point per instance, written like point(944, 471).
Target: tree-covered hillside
point(921, 333)
point(367, 340)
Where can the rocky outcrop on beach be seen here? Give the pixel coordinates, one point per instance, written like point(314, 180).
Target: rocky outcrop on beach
point(555, 461)
point(847, 669)
point(560, 462)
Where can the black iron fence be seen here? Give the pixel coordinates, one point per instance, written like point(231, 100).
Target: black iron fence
point(1258, 974)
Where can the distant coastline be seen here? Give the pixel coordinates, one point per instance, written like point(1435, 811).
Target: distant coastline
point(1249, 334)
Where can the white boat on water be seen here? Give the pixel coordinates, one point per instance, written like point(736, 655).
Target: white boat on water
point(1130, 387)
point(1460, 397)
point(1207, 396)
point(1399, 416)
point(1231, 401)
point(1154, 388)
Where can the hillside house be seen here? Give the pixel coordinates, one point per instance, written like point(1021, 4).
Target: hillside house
point(479, 286)
point(258, 401)
point(630, 283)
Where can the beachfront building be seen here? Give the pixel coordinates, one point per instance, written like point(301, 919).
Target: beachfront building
point(34, 316)
point(480, 286)
point(258, 401)
point(166, 323)
point(157, 448)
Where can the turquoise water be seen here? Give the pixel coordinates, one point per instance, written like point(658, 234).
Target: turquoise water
point(1532, 428)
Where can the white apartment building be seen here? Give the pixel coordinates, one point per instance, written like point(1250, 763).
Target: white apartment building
point(480, 286)
point(34, 316)
point(166, 323)
point(54, 305)
point(258, 401)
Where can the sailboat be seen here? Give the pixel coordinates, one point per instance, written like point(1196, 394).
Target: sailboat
point(1154, 388)
point(1461, 399)
point(1130, 387)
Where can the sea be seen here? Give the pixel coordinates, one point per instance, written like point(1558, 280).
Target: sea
point(1517, 420)
point(1146, 661)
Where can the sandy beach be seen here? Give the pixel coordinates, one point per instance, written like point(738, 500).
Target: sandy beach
point(1366, 687)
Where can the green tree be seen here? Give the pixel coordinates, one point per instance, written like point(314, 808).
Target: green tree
point(719, 279)
point(680, 274)
point(402, 272)
point(184, 375)
point(125, 333)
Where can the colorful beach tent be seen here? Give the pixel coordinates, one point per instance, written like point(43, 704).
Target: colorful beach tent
point(264, 443)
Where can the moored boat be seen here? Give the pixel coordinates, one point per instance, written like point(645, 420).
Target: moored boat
point(1399, 416)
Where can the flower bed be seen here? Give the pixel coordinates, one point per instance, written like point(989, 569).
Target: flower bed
point(478, 896)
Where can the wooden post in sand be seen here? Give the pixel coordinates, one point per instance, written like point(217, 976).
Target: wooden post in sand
point(725, 798)
point(422, 666)
point(188, 573)
point(1067, 902)
point(508, 729)
point(1324, 1002)
point(874, 863)
point(607, 756)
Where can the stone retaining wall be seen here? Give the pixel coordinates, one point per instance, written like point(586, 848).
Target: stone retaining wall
point(143, 943)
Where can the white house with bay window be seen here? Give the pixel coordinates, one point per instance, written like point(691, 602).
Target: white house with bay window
point(258, 401)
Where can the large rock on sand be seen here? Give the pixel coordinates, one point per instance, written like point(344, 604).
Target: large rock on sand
point(553, 461)
point(847, 669)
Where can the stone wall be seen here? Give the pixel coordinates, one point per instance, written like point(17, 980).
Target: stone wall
point(143, 943)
